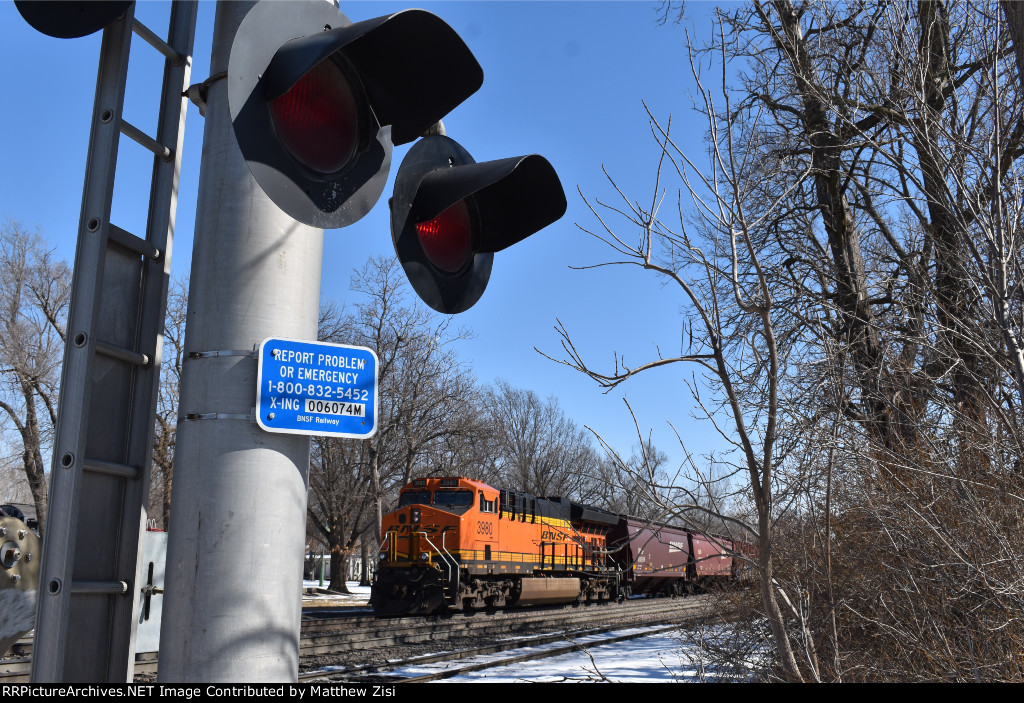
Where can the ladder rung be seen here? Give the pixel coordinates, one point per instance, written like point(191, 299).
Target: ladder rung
point(136, 244)
point(111, 468)
point(116, 588)
point(115, 352)
point(131, 131)
point(157, 43)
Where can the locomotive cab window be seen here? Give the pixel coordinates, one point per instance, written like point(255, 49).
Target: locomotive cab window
point(488, 506)
point(414, 498)
point(454, 501)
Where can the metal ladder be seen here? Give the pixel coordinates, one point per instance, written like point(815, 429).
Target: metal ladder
point(99, 481)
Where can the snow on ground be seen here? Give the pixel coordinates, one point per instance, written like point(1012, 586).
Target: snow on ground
point(315, 595)
point(662, 658)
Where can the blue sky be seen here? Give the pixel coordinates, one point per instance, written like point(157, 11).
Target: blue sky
point(562, 79)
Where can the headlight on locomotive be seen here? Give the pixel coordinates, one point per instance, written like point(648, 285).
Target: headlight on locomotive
point(424, 556)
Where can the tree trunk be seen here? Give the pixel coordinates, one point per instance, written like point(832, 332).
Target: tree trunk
point(364, 572)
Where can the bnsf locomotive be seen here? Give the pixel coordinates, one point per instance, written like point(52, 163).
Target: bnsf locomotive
point(456, 543)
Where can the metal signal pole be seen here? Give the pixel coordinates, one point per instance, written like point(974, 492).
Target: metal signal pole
point(232, 606)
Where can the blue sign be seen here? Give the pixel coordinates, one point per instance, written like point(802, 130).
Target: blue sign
point(316, 388)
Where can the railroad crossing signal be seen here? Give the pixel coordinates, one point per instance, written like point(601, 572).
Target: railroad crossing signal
point(68, 19)
point(317, 102)
point(449, 215)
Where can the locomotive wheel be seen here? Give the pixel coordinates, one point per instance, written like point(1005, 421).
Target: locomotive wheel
point(386, 606)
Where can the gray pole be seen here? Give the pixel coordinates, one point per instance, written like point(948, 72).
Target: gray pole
point(232, 608)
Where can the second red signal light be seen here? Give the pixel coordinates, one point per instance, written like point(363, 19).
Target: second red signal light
point(447, 240)
point(449, 216)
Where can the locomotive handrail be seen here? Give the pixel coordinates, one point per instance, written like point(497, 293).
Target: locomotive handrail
point(454, 563)
point(446, 557)
point(444, 548)
point(390, 545)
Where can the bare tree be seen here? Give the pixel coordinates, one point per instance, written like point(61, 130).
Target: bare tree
point(851, 262)
point(13, 485)
point(901, 254)
point(537, 448)
point(422, 383)
point(727, 294)
point(632, 481)
point(341, 506)
point(167, 402)
point(35, 289)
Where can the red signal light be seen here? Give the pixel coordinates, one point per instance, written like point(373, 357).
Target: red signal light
point(317, 119)
point(447, 240)
point(484, 208)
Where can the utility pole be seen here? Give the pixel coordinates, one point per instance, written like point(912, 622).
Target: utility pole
point(232, 606)
point(303, 108)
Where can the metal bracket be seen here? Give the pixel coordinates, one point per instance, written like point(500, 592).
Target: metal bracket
point(197, 92)
point(250, 416)
point(223, 352)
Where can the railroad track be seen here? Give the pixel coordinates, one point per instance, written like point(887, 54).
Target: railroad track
point(17, 670)
point(337, 632)
point(337, 636)
point(521, 649)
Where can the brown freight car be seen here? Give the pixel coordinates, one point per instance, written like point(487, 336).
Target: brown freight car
point(661, 559)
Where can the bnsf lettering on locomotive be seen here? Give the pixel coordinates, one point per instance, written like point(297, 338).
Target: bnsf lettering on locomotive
point(552, 534)
point(435, 529)
point(429, 529)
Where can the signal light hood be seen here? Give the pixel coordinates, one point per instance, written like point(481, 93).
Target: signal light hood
point(406, 71)
point(70, 19)
point(498, 188)
point(509, 200)
point(414, 68)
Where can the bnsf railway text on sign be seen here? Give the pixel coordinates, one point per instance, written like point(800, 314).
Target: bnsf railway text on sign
point(316, 388)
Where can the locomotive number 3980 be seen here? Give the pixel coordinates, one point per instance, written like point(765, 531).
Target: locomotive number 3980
point(485, 528)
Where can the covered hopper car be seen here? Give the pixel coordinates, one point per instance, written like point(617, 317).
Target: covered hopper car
point(455, 543)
